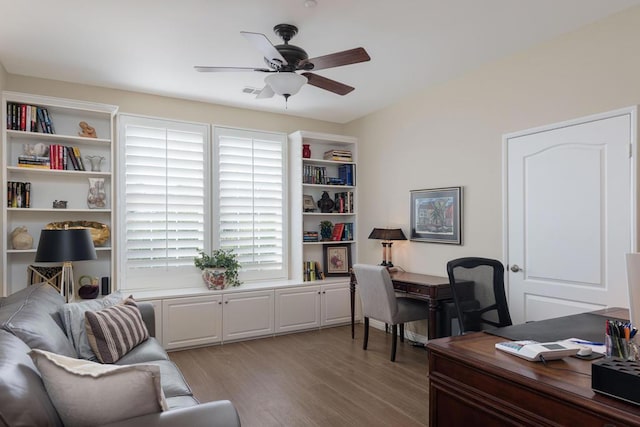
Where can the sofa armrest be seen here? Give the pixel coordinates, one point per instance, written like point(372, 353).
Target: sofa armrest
point(148, 316)
point(221, 413)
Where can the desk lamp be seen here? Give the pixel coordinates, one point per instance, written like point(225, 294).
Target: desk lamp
point(387, 235)
point(66, 246)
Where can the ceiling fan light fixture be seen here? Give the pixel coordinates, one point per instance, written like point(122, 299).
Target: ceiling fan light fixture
point(285, 83)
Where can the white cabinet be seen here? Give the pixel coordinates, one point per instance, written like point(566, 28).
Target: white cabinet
point(312, 306)
point(191, 321)
point(309, 178)
point(46, 185)
point(247, 314)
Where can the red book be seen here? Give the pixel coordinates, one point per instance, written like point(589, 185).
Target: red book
point(338, 229)
point(23, 117)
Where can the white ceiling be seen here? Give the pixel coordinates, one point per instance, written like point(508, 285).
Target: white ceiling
point(152, 45)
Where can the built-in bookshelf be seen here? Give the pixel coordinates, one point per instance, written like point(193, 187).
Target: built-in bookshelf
point(46, 176)
point(331, 170)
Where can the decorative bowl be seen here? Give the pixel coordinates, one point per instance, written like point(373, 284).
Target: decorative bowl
point(100, 233)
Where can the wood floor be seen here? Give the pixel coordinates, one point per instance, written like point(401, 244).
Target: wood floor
point(317, 378)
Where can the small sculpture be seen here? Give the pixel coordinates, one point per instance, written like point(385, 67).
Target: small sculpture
point(325, 203)
point(21, 239)
point(59, 204)
point(87, 131)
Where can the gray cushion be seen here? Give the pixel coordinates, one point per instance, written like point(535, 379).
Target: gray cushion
point(32, 315)
point(24, 401)
point(72, 315)
point(144, 352)
point(171, 380)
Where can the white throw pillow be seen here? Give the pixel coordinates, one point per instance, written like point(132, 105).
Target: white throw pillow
point(87, 393)
point(73, 319)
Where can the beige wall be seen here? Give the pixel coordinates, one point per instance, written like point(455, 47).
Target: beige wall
point(3, 77)
point(451, 135)
point(160, 106)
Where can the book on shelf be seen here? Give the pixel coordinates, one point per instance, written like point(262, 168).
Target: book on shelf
point(347, 174)
point(343, 202)
point(314, 174)
point(310, 236)
point(29, 118)
point(18, 194)
point(338, 155)
point(311, 271)
point(338, 229)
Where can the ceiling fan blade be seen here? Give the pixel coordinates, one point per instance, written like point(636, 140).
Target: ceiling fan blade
point(338, 59)
point(327, 84)
point(204, 69)
point(268, 50)
point(266, 92)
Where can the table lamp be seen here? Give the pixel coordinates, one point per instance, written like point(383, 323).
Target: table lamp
point(66, 246)
point(387, 235)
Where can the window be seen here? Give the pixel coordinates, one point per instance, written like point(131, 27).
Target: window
point(163, 218)
point(250, 200)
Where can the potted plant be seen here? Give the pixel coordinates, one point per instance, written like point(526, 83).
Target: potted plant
point(220, 269)
point(326, 227)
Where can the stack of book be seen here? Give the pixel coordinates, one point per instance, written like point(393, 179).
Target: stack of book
point(314, 175)
point(18, 194)
point(29, 161)
point(338, 155)
point(63, 157)
point(310, 236)
point(28, 118)
point(347, 174)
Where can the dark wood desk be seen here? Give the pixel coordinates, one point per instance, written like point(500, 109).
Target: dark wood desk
point(434, 289)
point(472, 383)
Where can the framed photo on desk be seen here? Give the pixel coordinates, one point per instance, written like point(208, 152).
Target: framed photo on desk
point(436, 215)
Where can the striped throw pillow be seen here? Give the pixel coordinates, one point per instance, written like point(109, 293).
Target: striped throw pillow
point(115, 330)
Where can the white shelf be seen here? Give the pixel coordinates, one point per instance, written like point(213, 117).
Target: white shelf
point(330, 187)
point(328, 242)
point(34, 210)
point(58, 172)
point(34, 250)
point(55, 138)
point(327, 162)
point(328, 214)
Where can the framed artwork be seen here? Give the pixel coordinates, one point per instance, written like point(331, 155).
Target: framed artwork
point(337, 259)
point(436, 215)
point(308, 204)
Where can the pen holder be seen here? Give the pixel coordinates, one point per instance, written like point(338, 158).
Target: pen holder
point(621, 348)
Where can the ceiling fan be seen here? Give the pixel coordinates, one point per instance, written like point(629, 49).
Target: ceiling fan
point(285, 59)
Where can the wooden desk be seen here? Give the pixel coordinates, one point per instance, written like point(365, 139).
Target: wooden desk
point(434, 289)
point(472, 383)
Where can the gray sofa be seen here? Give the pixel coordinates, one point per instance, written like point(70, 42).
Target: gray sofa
point(31, 318)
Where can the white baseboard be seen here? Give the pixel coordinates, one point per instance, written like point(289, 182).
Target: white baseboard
point(410, 335)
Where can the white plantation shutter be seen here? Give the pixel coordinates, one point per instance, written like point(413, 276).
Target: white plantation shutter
point(250, 208)
point(163, 201)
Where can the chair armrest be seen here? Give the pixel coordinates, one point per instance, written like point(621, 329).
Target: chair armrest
point(148, 316)
point(221, 413)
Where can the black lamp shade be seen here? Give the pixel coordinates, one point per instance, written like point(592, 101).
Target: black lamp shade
point(387, 234)
point(65, 245)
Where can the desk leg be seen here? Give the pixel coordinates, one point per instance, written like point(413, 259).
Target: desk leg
point(432, 331)
point(352, 292)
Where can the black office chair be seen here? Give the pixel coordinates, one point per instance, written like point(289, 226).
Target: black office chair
point(484, 305)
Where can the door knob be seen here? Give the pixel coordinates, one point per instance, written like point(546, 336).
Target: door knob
point(515, 268)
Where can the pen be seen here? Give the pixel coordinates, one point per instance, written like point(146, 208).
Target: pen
point(587, 342)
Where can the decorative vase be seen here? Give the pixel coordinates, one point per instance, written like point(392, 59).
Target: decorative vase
point(97, 197)
point(21, 239)
point(96, 162)
point(325, 203)
point(306, 151)
point(214, 278)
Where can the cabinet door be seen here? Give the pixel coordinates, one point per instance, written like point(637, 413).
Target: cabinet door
point(191, 321)
point(336, 308)
point(297, 308)
point(247, 314)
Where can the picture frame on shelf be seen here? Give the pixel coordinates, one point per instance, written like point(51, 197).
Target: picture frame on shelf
point(436, 215)
point(337, 259)
point(308, 204)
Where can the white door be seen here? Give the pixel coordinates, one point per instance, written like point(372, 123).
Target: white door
point(570, 200)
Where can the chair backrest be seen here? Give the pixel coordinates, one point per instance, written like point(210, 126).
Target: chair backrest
point(487, 305)
point(376, 292)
